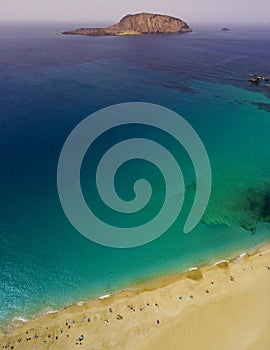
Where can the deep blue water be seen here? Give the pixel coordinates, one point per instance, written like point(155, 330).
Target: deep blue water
point(50, 82)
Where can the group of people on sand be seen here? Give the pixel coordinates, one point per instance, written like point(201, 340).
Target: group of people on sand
point(119, 317)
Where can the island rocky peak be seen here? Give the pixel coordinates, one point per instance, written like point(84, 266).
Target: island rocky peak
point(142, 23)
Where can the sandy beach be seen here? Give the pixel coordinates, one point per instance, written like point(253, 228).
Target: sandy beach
point(225, 306)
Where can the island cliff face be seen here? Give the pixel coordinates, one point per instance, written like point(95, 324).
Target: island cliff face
point(142, 23)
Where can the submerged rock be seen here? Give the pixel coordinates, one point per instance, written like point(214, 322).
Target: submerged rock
point(142, 23)
point(262, 106)
point(257, 206)
point(247, 208)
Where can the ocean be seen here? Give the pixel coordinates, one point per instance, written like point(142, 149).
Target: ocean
point(51, 82)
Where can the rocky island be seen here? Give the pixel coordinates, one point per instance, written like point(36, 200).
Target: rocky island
point(138, 24)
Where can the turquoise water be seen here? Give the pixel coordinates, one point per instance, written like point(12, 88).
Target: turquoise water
point(58, 81)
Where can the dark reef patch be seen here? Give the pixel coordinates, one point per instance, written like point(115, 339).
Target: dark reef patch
point(177, 86)
point(262, 106)
point(257, 207)
point(247, 209)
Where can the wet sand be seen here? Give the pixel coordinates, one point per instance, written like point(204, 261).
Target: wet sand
point(224, 307)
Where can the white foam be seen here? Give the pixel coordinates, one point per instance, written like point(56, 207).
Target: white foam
point(242, 255)
point(193, 269)
point(220, 262)
point(49, 312)
point(20, 319)
point(80, 303)
point(105, 296)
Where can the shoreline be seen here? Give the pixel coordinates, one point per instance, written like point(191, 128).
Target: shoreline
point(147, 298)
point(141, 285)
